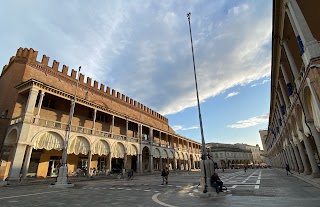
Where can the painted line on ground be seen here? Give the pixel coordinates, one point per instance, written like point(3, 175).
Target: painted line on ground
point(155, 199)
point(8, 197)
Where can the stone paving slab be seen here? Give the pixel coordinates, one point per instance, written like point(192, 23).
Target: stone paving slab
point(276, 189)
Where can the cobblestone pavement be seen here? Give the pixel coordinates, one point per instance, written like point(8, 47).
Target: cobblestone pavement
point(266, 187)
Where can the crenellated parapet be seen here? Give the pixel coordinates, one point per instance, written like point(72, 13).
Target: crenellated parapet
point(25, 55)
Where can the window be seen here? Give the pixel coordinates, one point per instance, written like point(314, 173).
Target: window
point(48, 103)
point(133, 127)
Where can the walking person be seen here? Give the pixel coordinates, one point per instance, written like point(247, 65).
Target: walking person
point(245, 168)
point(288, 169)
point(164, 174)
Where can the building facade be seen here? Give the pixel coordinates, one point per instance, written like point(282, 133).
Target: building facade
point(109, 131)
point(294, 119)
point(255, 150)
point(229, 155)
point(264, 154)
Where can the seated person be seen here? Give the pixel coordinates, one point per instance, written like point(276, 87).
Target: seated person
point(216, 182)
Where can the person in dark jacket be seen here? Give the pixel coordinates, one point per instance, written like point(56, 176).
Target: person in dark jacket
point(216, 182)
point(288, 169)
point(165, 174)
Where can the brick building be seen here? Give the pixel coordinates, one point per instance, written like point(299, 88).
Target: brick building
point(109, 131)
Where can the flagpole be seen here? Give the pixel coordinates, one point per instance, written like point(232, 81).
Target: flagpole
point(204, 153)
point(62, 179)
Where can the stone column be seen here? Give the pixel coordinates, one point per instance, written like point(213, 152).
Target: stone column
point(309, 46)
point(289, 157)
point(151, 163)
point(291, 61)
point(26, 161)
point(174, 163)
point(32, 98)
point(167, 140)
point(140, 166)
point(189, 163)
point(298, 157)
point(17, 161)
point(112, 124)
point(138, 163)
point(281, 105)
point(285, 97)
point(293, 157)
point(125, 159)
point(306, 166)
point(127, 128)
point(42, 93)
point(285, 158)
point(110, 162)
point(89, 164)
point(94, 119)
point(161, 164)
point(160, 139)
point(172, 142)
point(312, 160)
point(315, 134)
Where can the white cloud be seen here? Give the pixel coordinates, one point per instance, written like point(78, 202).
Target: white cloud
point(261, 83)
point(232, 94)
point(238, 9)
point(142, 48)
point(182, 128)
point(250, 122)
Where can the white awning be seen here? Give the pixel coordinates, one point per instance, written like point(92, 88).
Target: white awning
point(185, 156)
point(171, 154)
point(156, 153)
point(164, 154)
point(132, 150)
point(118, 150)
point(101, 148)
point(177, 155)
point(180, 156)
point(79, 145)
point(49, 141)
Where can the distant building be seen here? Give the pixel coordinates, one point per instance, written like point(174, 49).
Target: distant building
point(255, 150)
point(229, 155)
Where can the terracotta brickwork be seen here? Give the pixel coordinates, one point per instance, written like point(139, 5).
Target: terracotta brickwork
point(24, 66)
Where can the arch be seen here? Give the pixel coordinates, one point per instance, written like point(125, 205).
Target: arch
point(180, 155)
point(170, 154)
point(146, 150)
point(312, 107)
point(185, 156)
point(12, 137)
point(132, 150)
point(156, 153)
point(307, 99)
point(164, 153)
point(48, 140)
point(79, 145)
point(101, 147)
point(176, 154)
point(301, 120)
point(118, 150)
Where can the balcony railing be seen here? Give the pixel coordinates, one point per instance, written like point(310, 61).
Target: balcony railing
point(62, 126)
point(16, 120)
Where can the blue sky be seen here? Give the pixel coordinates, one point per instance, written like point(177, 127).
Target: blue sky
point(142, 49)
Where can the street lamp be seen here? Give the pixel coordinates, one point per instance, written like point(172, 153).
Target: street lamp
point(62, 179)
point(204, 153)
